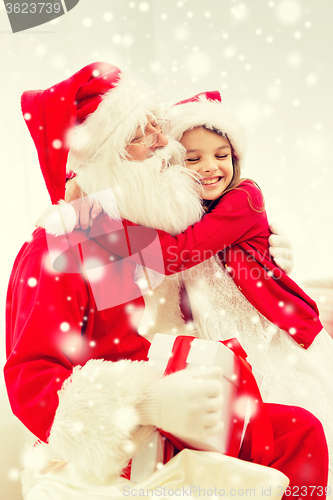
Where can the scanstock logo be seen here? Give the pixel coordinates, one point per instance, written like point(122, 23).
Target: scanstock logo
point(28, 14)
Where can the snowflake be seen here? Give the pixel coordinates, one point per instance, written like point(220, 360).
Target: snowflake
point(87, 22)
point(13, 474)
point(311, 80)
point(229, 52)
point(239, 12)
point(95, 268)
point(57, 144)
point(40, 50)
point(127, 40)
point(288, 12)
point(108, 16)
point(144, 6)
point(117, 39)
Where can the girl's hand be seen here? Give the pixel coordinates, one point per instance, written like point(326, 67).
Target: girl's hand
point(281, 250)
point(86, 210)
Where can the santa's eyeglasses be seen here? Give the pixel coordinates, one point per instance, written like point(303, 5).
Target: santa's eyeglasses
point(151, 139)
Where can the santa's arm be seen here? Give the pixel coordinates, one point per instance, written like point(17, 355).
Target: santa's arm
point(87, 413)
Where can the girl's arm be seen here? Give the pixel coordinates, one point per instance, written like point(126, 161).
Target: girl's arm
point(238, 217)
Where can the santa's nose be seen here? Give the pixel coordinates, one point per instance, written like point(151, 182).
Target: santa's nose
point(161, 142)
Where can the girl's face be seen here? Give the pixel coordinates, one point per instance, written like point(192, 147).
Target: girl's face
point(210, 155)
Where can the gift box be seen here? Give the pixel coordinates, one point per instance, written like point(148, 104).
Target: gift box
point(206, 353)
point(242, 400)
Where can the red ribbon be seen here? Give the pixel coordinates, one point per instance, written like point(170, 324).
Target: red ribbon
point(262, 433)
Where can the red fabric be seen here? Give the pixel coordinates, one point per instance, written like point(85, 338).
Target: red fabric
point(300, 451)
point(239, 234)
point(211, 95)
point(262, 436)
point(51, 115)
point(40, 355)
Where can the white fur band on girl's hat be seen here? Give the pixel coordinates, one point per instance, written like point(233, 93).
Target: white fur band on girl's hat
point(206, 109)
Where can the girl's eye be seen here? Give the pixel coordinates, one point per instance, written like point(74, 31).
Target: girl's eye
point(221, 157)
point(192, 159)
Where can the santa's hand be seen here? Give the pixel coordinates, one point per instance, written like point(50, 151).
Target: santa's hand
point(187, 403)
point(86, 210)
point(280, 249)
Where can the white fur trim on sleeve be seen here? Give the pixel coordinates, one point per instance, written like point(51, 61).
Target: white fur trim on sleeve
point(96, 423)
point(58, 219)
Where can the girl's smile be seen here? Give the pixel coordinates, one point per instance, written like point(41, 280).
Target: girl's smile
point(210, 155)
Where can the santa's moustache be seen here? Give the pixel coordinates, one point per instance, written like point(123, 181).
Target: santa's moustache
point(158, 192)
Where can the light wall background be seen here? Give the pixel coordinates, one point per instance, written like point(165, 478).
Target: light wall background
point(271, 61)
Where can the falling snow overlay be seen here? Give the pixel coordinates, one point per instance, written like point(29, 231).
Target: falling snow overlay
point(270, 59)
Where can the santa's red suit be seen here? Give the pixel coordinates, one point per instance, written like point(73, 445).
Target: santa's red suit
point(75, 373)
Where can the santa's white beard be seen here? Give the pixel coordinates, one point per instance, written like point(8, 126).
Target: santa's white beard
point(151, 193)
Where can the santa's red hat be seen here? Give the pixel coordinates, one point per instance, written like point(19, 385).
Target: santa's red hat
point(206, 110)
point(97, 100)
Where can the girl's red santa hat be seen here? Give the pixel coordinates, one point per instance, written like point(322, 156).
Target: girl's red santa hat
point(99, 102)
point(206, 110)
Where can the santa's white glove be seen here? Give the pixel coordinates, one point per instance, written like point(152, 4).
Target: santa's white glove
point(280, 249)
point(187, 403)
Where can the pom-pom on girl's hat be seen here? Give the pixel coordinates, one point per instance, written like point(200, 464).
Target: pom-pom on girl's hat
point(97, 100)
point(206, 110)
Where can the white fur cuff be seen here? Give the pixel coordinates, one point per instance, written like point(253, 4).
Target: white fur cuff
point(58, 219)
point(96, 423)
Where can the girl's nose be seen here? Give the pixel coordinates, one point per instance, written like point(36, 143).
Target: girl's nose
point(210, 166)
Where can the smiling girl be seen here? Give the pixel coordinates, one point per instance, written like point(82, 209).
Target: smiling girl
point(240, 291)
